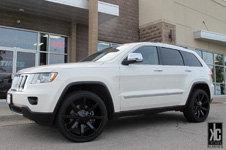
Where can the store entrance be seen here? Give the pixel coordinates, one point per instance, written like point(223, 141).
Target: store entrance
point(11, 61)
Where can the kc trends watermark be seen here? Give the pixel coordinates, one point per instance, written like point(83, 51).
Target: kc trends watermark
point(215, 135)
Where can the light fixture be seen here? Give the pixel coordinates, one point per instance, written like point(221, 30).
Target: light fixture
point(35, 44)
point(21, 9)
point(18, 21)
point(41, 44)
point(55, 37)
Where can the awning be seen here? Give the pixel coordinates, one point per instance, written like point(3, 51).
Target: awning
point(68, 10)
point(214, 37)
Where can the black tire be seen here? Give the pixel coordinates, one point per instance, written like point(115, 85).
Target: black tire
point(82, 116)
point(198, 106)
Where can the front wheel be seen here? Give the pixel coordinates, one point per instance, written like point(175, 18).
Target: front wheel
point(82, 117)
point(197, 109)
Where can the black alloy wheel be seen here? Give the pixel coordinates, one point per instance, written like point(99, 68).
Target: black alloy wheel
point(82, 117)
point(197, 109)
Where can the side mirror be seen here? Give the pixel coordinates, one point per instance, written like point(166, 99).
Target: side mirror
point(133, 58)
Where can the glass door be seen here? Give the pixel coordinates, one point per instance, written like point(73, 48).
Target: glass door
point(6, 69)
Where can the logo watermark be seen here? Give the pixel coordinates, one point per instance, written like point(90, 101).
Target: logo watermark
point(215, 135)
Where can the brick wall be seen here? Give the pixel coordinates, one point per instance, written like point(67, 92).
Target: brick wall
point(82, 42)
point(158, 32)
point(32, 22)
point(122, 29)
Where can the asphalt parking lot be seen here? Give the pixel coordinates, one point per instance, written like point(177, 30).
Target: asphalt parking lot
point(162, 131)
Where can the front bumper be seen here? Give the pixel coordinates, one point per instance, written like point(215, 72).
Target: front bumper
point(45, 119)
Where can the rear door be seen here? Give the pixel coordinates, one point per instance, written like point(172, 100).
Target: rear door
point(177, 77)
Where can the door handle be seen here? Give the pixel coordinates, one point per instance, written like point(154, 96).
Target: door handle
point(188, 70)
point(158, 70)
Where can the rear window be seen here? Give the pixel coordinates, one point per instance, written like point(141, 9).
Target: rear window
point(171, 57)
point(190, 59)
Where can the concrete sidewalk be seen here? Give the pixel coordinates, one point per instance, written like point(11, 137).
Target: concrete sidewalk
point(9, 118)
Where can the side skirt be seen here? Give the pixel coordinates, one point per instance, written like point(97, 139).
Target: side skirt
point(148, 111)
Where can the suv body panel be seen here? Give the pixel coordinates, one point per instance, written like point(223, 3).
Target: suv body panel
point(131, 87)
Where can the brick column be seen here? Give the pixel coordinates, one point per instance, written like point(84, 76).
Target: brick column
point(93, 26)
point(72, 46)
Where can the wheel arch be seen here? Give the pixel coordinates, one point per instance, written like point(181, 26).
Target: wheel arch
point(96, 87)
point(199, 85)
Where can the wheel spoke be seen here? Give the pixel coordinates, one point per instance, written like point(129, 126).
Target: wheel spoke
point(74, 107)
point(202, 113)
point(73, 116)
point(203, 108)
point(74, 125)
point(95, 117)
point(198, 114)
point(93, 107)
point(91, 126)
point(82, 129)
point(202, 97)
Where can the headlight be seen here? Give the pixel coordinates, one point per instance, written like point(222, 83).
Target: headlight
point(42, 78)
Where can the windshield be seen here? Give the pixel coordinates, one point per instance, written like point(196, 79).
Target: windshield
point(105, 54)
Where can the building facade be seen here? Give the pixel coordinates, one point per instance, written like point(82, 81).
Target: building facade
point(199, 25)
point(42, 32)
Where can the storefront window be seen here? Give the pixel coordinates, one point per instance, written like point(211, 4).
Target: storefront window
point(25, 60)
point(54, 51)
point(56, 59)
point(43, 45)
point(5, 84)
point(199, 52)
point(208, 57)
point(18, 39)
point(58, 44)
point(220, 89)
point(102, 45)
point(218, 59)
point(217, 63)
point(6, 61)
point(6, 69)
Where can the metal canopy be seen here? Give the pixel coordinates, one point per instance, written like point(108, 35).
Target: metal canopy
point(68, 10)
point(217, 38)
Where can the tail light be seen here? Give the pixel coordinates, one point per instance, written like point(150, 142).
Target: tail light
point(211, 74)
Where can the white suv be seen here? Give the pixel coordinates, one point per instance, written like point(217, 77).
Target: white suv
point(131, 79)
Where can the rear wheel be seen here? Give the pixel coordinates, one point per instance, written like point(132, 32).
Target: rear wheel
point(82, 117)
point(197, 109)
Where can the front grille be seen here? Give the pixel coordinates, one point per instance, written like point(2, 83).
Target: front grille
point(19, 82)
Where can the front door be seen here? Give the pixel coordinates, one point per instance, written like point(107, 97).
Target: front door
point(142, 84)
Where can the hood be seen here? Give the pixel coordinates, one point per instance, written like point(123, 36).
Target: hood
point(57, 67)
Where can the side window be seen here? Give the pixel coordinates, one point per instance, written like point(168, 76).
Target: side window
point(150, 55)
point(171, 57)
point(190, 59)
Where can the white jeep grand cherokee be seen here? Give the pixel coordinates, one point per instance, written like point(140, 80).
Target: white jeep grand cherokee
point(131, 79)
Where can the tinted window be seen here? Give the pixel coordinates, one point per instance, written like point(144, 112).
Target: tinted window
point(171, 57)
point(150, 55)
point(190, 59)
